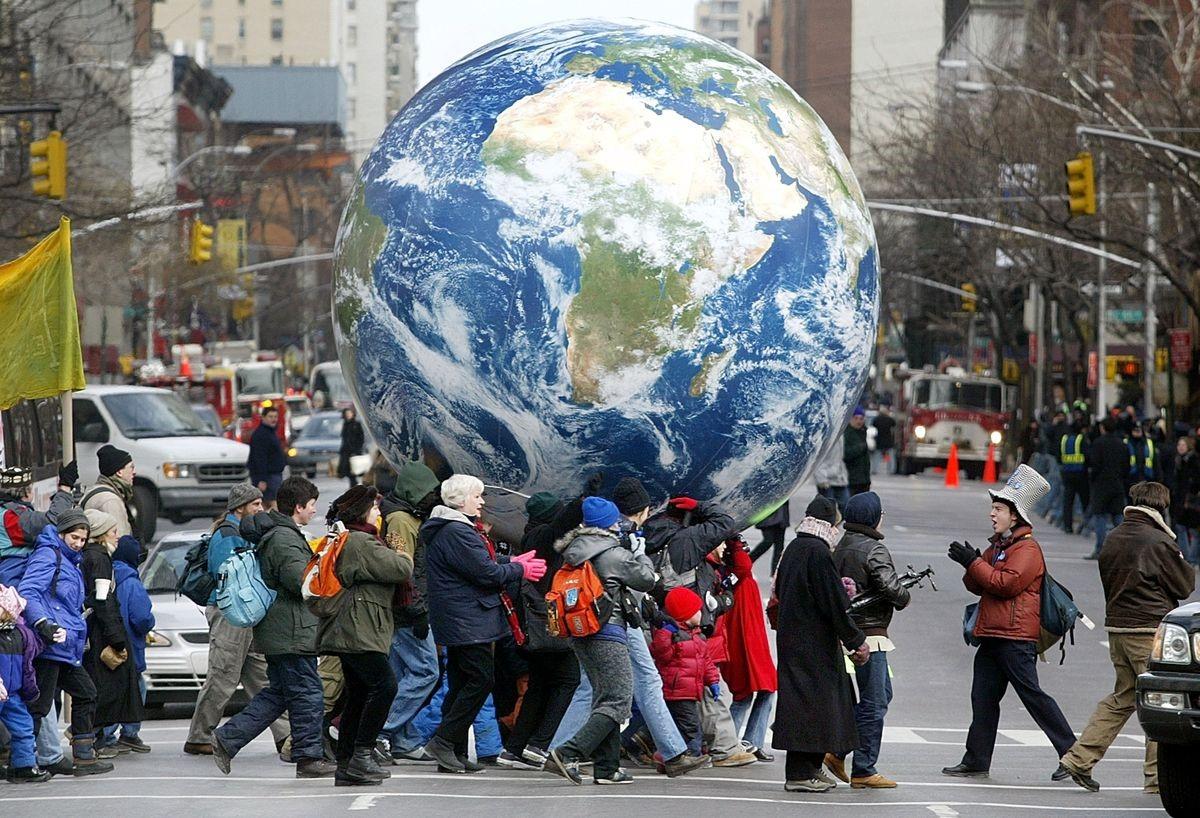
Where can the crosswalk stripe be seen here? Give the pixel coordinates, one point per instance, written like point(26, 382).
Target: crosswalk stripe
point(1030, 738)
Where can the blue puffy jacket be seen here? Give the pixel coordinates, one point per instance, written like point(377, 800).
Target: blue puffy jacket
point(61, 604)
point(463, 581)
point(221, 546)
point(135, 610)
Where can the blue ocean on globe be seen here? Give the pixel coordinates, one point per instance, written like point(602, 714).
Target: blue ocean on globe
point(608, 245)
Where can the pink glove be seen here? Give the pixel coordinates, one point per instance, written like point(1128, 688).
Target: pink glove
point(851, 588)
point(534, 568)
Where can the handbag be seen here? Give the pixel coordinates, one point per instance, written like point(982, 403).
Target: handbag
point(113, 659)
point(970, 617)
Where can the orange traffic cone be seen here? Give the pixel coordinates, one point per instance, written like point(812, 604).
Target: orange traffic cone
point(952, 467)
point(989, 468)
point(185, 368)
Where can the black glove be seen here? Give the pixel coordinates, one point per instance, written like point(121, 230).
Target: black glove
point(68, 475)
point(594, 485)
point(46, 629)
point(964, 555)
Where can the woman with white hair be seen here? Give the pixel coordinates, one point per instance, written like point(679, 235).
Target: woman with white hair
point(464, 580)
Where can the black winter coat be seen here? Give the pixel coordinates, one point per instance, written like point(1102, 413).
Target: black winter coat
point(266, 455)
point(862, 556)
point(354, 441)
point(463, 581)
point(687, 543)
point(815, 713)
point(857, 456)
point(118, 699)
point(1108, 463)
point(531, 602)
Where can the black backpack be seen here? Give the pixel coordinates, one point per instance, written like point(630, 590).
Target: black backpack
point(195, 582)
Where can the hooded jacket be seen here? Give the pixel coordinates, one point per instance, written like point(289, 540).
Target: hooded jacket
point(289, 626)
point(1143, 573)
point(684, 660)
point(1008, 580)
point(862, 556)
point(369, 572)
point(464, 581)
point(59, 601)
point(831, 468)
point(136, 609)
point(618, 567)
point(687, 547)
point(402, 531)
point(20, 525)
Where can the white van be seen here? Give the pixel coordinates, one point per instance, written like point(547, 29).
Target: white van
point(183, 471)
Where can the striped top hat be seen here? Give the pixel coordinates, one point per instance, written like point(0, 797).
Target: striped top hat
point(1023, 489)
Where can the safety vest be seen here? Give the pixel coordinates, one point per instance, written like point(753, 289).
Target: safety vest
point(1147, 470)
point(1071, 454)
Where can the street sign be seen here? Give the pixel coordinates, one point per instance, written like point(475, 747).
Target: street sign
point(1127, 316)
point(1033, 349)
point(1093, 373)
point(1181, 349)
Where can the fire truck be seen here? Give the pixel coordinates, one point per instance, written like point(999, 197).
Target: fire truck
point(257, 384)
point(938, 409)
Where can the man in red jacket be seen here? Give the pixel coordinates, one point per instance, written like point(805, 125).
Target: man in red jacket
point(1008, 579)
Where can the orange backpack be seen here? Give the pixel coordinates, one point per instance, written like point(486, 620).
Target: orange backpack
point(577, 605)
point(321, 590)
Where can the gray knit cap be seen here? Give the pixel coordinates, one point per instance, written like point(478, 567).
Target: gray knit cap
point(241, 494)
point(70, 519)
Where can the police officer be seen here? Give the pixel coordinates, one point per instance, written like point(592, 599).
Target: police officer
point(1072, 458)
point(1144, 463)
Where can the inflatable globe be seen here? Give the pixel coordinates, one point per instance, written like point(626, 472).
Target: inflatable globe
point(615, 246)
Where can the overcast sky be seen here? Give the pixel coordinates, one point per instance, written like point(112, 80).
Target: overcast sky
point(449, 29)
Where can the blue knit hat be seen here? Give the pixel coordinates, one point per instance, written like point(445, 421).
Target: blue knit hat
point(864, 509)
point(599, 512)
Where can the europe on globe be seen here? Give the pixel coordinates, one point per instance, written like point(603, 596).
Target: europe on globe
point(608, 245)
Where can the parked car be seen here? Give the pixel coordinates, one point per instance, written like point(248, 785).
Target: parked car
point(1168, 707)
point(316, 447)
point(177, 648)
point(299, 410)
point(183, 470)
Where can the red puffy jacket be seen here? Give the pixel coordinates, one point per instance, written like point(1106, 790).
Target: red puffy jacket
point(1008, 580)
point(685, 663)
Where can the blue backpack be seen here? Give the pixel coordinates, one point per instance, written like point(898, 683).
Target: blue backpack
point(242, 595)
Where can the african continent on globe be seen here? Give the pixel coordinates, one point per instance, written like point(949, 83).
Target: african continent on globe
point(608, 245)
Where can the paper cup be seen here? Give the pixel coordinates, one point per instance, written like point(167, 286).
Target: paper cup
point(102, 586)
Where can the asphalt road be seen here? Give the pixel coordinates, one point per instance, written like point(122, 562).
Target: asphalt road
point(926, 727)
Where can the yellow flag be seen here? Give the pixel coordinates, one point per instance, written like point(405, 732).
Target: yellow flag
point(39, 328)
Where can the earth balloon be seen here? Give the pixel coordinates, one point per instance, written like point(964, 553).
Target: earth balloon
point(608, 245)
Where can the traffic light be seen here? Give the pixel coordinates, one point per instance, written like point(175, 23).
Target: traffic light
point(1081, 185)
point(201, 242)
point(968, 304)
point(48, 166)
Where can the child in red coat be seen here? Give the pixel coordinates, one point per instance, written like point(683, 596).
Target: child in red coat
point(685, 663)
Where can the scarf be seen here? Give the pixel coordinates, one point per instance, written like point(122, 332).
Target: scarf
point(365, 528)
point(820, 529)
point(125, 490)
point(510, 611)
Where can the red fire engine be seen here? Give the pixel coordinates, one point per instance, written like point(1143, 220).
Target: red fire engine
point(941, 408)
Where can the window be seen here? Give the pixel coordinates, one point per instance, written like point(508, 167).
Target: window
point(141, 414)
point(394, 69)
point(351, 73)
point(206, 28)
point(242, 28)
point(224, 53)
point(89, 424)
point(276, 29)
point(351, 35)
point(277, 60)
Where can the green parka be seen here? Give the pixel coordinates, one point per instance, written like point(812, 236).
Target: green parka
point(370, 572)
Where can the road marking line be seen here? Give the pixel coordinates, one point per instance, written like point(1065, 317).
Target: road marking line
point(363, 802)
point(1029, 738)
point(942, 810)
point(902, 735)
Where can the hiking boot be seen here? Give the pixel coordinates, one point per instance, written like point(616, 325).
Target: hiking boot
point(134, 743)
point(1081, 778)
point(619, 777)
point(963, 771)
point(837, 766)
point(108, 751)
point(739, 758)
point(444, 755)
point(872, 782)
point(821, 775)
point(684, 763)
point(567, 768)
point(418, 755)
point(27, 775)
point(513, 762)
point(362, 766)
point(94, 767)
point(1060, 774)
point(284, 749)
point(469, 766)
point(314, 768)
point(196, 748)
point(220, 755)
point(86, 763)
point(808, 785)
point(63, 766)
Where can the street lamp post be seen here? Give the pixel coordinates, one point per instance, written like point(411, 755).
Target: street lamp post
point(237, 150)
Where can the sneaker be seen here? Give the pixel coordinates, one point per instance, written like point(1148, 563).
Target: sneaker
point(685, 763)
point(740, 758)
point(619, 777)
point(417, 755)
point(534, 755)
point(382, 754)
point(872, 782)
point(963, 771)
point(1061, 774)
point(821, 775)
point(134, 743)
point(197, 748)
point(507, 759)
point(567, 768)
point(220, 755)
point(837, 766)
point(807, 785)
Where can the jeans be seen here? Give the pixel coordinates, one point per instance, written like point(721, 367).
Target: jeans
point(874, 696)
point(229, 661)
point(752, 717)
point(370, 689)
point(414, 663)
point(1102, 522)
point(838, 494)
point(1189, 543)
point(49, 740)
point(470, 673)
point(130, 730)
point(647, 695)
point(293, 686)
point(20, 729)
point(999, 663)
point(553, 678)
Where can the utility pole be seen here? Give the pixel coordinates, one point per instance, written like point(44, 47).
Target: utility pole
point(1101, 407)
point(1151, 317)
point(1039, 333)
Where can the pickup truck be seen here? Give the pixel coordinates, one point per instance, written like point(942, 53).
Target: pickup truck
point(183, 470)
point(1168, 707)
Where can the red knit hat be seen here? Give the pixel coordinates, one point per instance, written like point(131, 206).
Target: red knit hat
point(682, 604)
